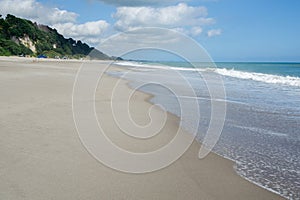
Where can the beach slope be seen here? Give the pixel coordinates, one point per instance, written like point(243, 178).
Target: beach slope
point(42, 157)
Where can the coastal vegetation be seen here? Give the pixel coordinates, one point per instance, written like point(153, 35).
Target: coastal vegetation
point(25, 38)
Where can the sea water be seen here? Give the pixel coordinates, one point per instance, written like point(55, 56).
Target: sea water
point(262, 126)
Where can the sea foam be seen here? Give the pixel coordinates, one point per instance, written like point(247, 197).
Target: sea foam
point(261, 77)
point(267, 78)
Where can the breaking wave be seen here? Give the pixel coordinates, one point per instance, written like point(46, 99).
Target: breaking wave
point(261, 77)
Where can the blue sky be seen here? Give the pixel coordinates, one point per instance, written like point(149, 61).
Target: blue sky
point(230, 30)
point(256, 30)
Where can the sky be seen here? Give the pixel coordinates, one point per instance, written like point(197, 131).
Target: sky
point(229, 30)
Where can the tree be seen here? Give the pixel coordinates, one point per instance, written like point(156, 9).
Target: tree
point(45, 39)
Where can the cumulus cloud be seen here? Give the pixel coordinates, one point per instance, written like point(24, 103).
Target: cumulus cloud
point(196, 31)
point(88, 32)
point(183, 18)
point(128, 18)
point(214, 32)
point(64, 21)
point(190, 20)
point(33, 10)
point(136, 3)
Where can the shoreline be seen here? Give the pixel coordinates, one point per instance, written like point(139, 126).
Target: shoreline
point(199, 143)
point(40, 146)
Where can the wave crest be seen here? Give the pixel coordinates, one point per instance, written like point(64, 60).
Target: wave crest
point(266, 78)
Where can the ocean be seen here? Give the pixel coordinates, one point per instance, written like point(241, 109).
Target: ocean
point(261, 133)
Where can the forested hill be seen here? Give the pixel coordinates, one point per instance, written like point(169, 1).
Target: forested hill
point(23, 37)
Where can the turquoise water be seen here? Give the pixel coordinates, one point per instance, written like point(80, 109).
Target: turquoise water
point(262, 127)
point(281, 69)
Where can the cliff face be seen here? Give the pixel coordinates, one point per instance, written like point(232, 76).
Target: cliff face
point(27, 42)
point(20, 36)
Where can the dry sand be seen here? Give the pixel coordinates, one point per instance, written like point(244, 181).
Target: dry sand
point(41, 156)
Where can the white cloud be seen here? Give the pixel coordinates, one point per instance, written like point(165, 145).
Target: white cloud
point(190, 20)
point(88, 32)
point(181, 15)
point(196, 31)
point(33, 10)
point(186, 19)
point(63, 20)
point(214, 32)
point(136, 3)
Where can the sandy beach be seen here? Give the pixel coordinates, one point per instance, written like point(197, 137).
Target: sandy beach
point(42, 157)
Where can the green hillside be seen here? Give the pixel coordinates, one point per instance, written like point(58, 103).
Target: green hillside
point(23, 37)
